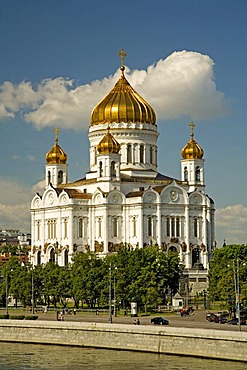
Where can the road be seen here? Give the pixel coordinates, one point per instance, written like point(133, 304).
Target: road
point(196, 320)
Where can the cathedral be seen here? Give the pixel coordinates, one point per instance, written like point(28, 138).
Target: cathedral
point(123, 201)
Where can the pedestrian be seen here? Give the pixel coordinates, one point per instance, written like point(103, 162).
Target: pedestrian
point(74, 311)
point(134, 322)
point(138, 322)
point(97, 312)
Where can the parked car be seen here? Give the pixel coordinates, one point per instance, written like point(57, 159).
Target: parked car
point(235, 321)
point(222, 313)
point(159, 321)
point(212, 317)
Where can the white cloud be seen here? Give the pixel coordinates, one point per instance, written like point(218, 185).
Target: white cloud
point(15, 217)
point(14, 205)
point(180, 85)
point(31, 157)
point(15, 199)
point(231, 224)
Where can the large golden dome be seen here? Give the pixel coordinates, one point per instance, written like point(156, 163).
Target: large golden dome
point(108, 144)
point(56, 155)
point(123, 104)
point(192, 150)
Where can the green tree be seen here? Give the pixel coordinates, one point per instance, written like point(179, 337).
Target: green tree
point(87, 276)
point(223, 273)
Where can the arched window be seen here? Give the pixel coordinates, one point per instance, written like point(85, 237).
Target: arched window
point(195, 227)
point(60, 177)
point(167, 226)
point(94, 154)
point(149, 226)
point(38, 230)
point(134, 226)
point(51, 226)
point(80, 228)
point(100, 169)
point(198, 173)
point(39, 258)
point(114, 227)
point(52, 255)
point(113, 169)
point(49, 229)
point(151, 154)
point(141, 153)
point(49, 177)
point(177, 226)
point(129, 153)
point(173, 226)
point(99, 227)
point(66, 258)
point(186, 174)
point(65, 228)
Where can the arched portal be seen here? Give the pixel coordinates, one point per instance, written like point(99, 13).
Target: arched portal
point(195, 255)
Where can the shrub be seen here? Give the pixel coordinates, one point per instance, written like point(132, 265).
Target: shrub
point(34, 317)
point(17, 317)
point(4, 316)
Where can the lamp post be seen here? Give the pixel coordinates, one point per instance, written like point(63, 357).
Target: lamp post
point(204, 299)
point(110, 313)
point(32, 291)
point(114, 287)
point(56, 252)
point(7, 307)
point(237, 290)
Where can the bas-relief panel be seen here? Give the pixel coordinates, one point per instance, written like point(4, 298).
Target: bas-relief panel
point(173, 195)
point(115, 198)
point(150, 197)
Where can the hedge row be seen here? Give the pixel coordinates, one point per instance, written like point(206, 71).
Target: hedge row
point(18, 317)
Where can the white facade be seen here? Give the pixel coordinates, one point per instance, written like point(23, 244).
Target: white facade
point(124, 201)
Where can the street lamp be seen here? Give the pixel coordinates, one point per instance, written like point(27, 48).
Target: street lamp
point(7, 307)
point(32, 291)
point(110, 313)
point(114, 287)
point(237, 290)
point(204, 298)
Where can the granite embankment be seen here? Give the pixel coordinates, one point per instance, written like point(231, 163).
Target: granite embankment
point(195, 342)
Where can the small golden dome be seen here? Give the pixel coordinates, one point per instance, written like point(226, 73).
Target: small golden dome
point(56, 155)
point(123, 104)
point(192, 150)
point(108, 144)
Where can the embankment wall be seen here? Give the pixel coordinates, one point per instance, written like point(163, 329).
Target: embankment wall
point(157, 339)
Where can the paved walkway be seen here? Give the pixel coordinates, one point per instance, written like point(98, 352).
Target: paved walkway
point(197, 320)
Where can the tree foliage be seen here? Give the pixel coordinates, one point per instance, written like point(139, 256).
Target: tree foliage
point(228, 264)
point(146, 275)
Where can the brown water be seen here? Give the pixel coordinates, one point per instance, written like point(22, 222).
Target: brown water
point(15, 356)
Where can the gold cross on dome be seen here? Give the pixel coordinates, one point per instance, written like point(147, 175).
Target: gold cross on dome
point(122, 55)
point(56, 134)
point(192, 125)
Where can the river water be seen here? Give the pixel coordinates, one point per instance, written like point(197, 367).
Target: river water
point(15, 356)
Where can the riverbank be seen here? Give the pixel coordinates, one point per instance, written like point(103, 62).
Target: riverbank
point(203, 343)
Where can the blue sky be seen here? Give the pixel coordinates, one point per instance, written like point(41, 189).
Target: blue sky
point(185, 57)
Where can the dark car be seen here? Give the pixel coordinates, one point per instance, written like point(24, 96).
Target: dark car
point(211, 317)
point(159, 321)
point(235, 321)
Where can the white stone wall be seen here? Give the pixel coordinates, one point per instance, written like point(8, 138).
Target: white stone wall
point(201, 343)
